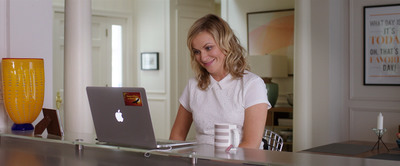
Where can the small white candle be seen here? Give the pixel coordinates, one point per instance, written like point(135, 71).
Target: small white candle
point(380, 121)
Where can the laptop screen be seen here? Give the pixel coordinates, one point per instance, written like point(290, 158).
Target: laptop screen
point(121, 116)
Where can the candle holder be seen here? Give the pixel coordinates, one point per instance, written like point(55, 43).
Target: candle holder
point(379, 133)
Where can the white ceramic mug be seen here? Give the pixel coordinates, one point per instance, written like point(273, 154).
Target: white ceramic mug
point(226, 135)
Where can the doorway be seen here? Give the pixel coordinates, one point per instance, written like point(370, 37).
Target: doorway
point(108, 54)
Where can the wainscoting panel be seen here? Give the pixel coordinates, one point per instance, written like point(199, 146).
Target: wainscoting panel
point(362, 120)
point(159, 117)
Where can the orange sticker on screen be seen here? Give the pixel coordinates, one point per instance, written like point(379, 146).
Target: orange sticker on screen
point(132, 99)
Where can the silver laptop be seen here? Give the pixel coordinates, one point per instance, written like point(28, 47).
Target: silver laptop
point(121, 117)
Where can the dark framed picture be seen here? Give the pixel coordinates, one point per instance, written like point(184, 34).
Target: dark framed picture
point(270, 32)
point(149, 61)
point(51, 122)
point(382, 45)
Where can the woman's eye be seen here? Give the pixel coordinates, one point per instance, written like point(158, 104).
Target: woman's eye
point(208, 47)
point(195, 52)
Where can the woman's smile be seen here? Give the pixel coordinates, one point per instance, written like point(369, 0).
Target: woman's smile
point(208, 63)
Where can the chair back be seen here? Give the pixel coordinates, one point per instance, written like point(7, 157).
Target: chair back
point(272, 141)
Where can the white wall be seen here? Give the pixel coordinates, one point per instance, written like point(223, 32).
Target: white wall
point(325, 73)
point(113, 6)
point(332, 104)
point(35, 41)
point(3, 53)
point(3, 28)
point(152, 31)
point(365, 102)
point(26, 35)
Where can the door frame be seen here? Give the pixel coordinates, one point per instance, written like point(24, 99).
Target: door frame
point(128, 48)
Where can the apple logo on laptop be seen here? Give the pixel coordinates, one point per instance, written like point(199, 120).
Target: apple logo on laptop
point(118, 116)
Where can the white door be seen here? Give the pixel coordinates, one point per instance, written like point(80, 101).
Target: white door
point(107, 50)
point(185, 16)
point(100, 52)
point(107, 54)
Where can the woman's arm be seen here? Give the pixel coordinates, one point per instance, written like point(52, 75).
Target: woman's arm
point(254, 125)
point(181, 125)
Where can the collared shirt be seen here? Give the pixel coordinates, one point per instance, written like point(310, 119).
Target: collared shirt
point(222, 102)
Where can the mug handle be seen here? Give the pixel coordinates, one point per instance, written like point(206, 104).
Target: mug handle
point(235, 137)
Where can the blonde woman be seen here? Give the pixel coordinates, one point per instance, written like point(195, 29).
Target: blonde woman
point(223, 90)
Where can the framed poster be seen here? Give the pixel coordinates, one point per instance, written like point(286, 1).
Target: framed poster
point(149, 60)
point(382, 45)
point(270, 32)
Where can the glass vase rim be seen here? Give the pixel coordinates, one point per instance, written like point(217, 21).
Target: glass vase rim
point(22, 58)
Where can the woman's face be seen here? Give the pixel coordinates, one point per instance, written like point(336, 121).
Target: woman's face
point(208, 55)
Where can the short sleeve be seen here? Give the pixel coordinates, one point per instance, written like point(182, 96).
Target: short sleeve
point(255, 93)
point(184, 100)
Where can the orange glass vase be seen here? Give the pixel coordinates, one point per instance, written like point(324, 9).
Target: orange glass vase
point(23, 90)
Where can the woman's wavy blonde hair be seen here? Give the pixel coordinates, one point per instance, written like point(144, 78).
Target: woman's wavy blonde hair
point(235, 61)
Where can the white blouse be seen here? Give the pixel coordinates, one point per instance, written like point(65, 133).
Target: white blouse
point(222, 102)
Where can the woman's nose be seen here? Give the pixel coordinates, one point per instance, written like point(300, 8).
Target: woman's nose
point(203, 56)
